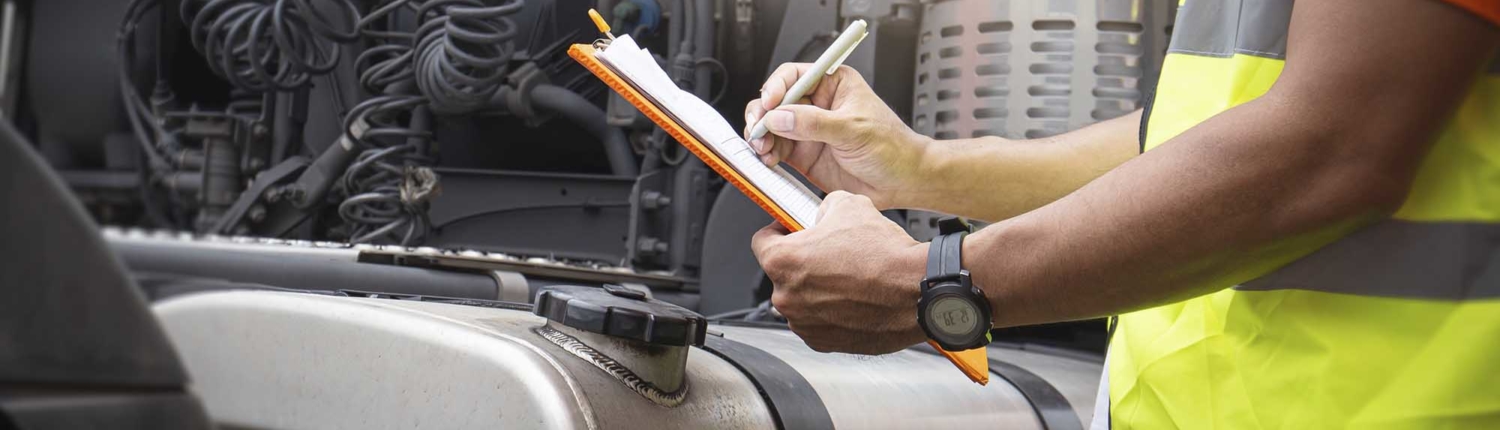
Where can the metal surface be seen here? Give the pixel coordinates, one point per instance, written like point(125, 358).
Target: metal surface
point(287, 360)
point(655, 372)
point(536, 266)
point(793, 401)
point(1033, 69)
point(190, 247)
point(911, 389)
point(11, 32)
point(567, 215)
point(1077, 379)
point(291, 360)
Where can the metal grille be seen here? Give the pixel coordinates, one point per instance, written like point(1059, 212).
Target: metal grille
point(1030, 69)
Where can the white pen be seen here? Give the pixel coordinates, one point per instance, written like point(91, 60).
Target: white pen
point(826, 65)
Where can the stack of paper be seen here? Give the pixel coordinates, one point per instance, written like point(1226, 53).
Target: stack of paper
point(636, 65)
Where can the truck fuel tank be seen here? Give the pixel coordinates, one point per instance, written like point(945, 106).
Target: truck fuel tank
point(584, 357)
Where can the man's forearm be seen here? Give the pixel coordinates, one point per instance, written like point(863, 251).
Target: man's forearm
point(991, 179)
point(1155, 229)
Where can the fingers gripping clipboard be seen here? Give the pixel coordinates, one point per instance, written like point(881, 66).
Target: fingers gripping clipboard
point(697, 126)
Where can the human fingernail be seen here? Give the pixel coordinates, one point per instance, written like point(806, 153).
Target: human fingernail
point(777, 120)
point(759, 144)
point(749, 118)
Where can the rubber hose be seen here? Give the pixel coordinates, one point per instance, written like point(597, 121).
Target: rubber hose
point(703, 47)
point(674, 29)
point(577, 109)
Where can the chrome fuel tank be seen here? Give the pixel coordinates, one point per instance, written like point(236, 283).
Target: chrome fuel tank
point(306, 361)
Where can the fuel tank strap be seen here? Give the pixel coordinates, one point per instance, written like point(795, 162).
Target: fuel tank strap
point(1054, 410)
point(792, 401)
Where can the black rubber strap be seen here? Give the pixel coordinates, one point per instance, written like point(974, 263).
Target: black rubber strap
point(935, 257)
point(1054, 410)
point(944, 255)
point(793, 402)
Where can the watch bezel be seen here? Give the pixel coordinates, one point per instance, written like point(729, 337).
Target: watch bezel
point(962, 287)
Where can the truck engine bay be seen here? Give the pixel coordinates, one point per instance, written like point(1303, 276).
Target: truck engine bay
point(422, 213)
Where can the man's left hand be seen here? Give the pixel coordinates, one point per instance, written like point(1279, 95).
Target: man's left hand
point(850, 284)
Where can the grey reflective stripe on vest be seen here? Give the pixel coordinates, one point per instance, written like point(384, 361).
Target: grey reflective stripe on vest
point(1222, 28)
point(1418, 260)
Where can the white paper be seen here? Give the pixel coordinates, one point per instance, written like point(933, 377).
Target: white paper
point(637, 66)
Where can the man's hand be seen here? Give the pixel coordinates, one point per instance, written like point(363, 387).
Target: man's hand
point(850, 283)
point(846, 139)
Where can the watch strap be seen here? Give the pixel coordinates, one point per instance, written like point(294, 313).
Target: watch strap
point(935, 257)
point(945, 255)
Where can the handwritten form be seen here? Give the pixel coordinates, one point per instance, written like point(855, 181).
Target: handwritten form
point(636, 66)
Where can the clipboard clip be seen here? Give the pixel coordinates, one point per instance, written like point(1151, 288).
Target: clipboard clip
point(601, 43)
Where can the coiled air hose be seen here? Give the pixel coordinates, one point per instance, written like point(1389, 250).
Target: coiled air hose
point(453, 64)
point(269, 45)
point(462, 49)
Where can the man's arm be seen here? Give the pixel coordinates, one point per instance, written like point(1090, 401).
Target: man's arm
point(1333, 146)
point(847, 139)
point(990, 178)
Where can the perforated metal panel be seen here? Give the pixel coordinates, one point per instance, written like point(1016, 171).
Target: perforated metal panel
point(1029, 69)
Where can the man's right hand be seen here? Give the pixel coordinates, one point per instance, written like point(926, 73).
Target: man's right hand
point(843, 137)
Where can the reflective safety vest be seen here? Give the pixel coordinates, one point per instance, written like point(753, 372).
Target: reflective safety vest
point(1396, 325)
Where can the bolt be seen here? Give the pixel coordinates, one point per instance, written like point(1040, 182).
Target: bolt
point(652, 200)
point(273, 195)
point(259, 131)
point(651, 246)
point(257, 213)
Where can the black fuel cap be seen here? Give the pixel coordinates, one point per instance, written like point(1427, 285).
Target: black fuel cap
point(621, 312)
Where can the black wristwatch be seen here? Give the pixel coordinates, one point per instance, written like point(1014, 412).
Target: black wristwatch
point(952, 311)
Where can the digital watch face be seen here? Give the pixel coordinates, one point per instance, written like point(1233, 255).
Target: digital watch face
point(953, 316)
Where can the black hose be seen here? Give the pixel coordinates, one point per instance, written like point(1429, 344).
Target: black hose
point(268, 45)
point(577, 109)
point(703, 47)
point(674, 27)
point(462, 50)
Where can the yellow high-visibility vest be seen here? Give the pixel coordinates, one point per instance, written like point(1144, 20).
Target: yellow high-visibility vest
point(1394, 326)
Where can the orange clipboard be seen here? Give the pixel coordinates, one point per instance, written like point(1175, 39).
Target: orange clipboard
point(973, 363)
point(584, 54)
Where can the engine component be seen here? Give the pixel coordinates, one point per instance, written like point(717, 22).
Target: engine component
point(1029, 69)
point(461, 52)
point(331, 266)
point(642, 343)
point(260, 359)
point(264, 46)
